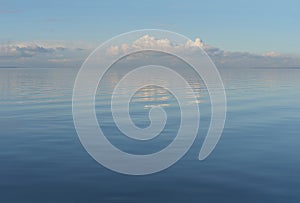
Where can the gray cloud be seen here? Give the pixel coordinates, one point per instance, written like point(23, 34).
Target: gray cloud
point(245, 59)
point(20, 50)
point(42, 54)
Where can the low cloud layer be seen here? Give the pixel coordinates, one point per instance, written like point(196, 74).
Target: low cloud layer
point(42, 54)
point(24, 50)
point(61, 54)
point(222, 58)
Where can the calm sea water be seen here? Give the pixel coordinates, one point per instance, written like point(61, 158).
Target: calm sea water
point(256, 160)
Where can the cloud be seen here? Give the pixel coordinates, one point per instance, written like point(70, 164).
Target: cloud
point(113, 50)
point(222, 58)
point(43, 53)
point(61, 60)
point(271, 54)
point(149, 42)
point(73, 54)
point(30, 49)
point(197, 43)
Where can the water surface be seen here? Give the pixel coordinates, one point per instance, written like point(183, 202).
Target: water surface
point(256, 160)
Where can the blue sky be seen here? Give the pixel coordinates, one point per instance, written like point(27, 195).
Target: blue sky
point(253, 26)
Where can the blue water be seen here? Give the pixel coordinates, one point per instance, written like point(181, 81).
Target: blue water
point(256, 160)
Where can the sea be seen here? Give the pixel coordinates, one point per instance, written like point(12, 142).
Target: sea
point(257, 158)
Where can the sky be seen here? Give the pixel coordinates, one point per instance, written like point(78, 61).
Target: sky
point(234, 25)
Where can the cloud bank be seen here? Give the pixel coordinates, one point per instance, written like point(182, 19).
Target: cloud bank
point(222, 58)
point(73, 54)
point(43, 54)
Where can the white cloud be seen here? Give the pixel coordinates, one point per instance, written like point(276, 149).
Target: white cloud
point(113, 50)
point(149, 42)
point(124, 47)
point(197, 43)
point(271, 54)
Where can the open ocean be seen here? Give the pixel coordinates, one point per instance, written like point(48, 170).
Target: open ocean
point(256, 160)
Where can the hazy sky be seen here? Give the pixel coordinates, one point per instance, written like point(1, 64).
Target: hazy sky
point(252, 26)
